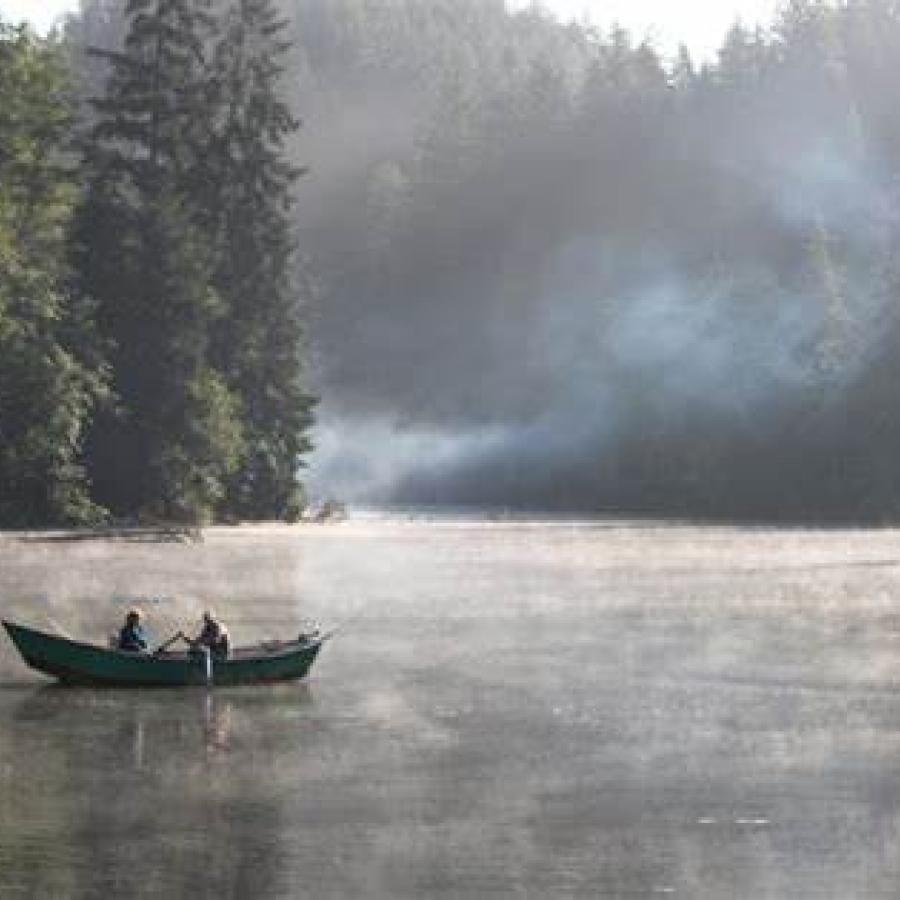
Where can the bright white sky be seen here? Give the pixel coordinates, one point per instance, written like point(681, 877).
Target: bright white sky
point(699, 23)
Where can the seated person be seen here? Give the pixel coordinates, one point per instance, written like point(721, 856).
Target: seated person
point(213, 635)
point(132, 636)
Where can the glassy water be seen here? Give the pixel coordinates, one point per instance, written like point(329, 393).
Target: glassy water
point(508, 710)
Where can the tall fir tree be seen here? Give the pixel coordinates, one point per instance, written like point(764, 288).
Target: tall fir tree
point(50, 373)
point(168, 447)
point(258, 343)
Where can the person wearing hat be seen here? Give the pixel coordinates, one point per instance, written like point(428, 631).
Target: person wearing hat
point(132, 636)
point(213, 635)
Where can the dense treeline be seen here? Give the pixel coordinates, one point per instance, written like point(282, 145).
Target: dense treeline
point(162, 304)
point(547, 267)
point(51, 378)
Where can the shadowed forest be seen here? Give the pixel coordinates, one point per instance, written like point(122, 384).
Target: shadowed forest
point(523, 264)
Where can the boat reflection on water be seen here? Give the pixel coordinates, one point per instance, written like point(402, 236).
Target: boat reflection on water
point(213, 715)
point(208, 770)
point(216, 724)
point(141, 727)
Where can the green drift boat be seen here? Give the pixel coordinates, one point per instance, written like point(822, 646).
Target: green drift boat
point(74, 662)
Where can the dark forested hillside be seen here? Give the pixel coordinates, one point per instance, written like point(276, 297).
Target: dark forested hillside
point(561, 271)
point(539, 264)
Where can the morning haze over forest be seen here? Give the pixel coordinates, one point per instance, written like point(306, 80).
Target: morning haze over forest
point(538, 265)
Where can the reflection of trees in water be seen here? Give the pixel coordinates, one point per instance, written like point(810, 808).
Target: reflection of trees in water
point(33, 818)
point(144, 792)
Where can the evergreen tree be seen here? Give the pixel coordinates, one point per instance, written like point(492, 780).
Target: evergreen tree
point(50, 377)
point(174, 437)
point(258, 342)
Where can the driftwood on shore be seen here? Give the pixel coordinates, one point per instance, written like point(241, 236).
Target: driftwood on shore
point(329, 511)
point(158, 534)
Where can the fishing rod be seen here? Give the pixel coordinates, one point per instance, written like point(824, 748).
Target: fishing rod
point(341, 626)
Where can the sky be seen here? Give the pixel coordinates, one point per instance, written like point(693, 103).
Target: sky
point(699, 23)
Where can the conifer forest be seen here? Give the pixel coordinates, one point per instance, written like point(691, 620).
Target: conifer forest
point(445, 252)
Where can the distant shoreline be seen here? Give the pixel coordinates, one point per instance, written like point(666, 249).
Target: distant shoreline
point(424, 515)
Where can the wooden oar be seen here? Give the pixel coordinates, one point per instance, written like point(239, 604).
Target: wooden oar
point(180, 635)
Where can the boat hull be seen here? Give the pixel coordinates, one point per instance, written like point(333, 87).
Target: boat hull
point(74, 662)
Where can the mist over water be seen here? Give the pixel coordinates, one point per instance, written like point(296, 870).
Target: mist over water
point(530, 708)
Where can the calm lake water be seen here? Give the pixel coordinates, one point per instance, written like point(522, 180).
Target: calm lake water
point(510, 709)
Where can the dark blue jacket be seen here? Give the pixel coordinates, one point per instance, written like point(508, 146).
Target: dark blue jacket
point(132, 637)
point(215, 637)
